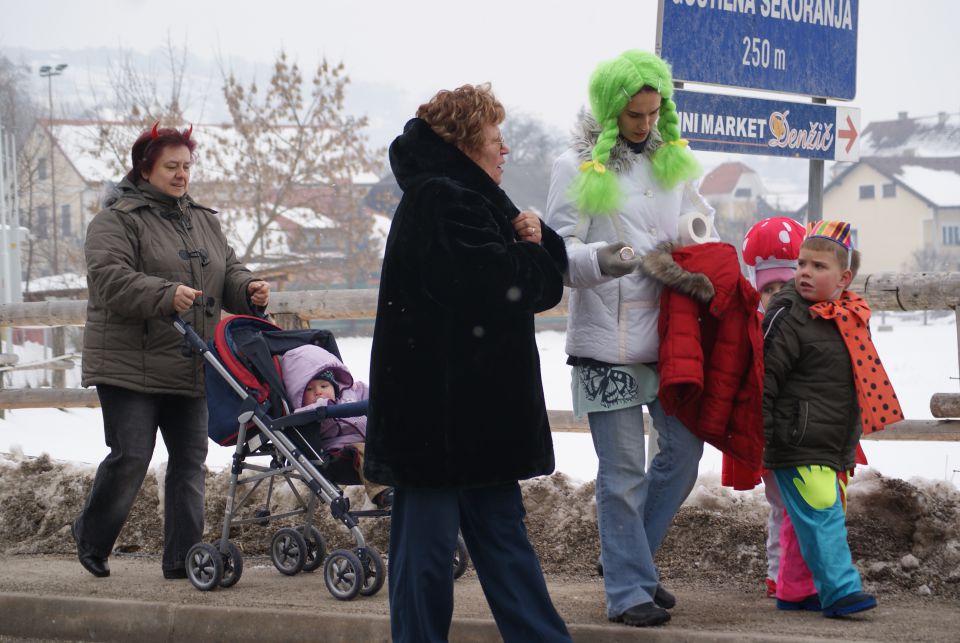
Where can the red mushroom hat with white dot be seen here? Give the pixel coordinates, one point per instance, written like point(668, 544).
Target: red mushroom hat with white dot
point(772, 247)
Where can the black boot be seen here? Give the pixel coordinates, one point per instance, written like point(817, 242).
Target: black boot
point(643, 615)
point(94, 564)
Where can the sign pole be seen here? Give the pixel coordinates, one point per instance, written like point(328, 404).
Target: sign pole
point(815, 189)
point(6, 161)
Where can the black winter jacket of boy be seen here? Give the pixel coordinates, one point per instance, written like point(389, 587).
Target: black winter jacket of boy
point(455, 393)
point(810, 409)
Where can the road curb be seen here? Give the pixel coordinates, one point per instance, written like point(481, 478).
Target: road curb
point(98, 619)
point(101, 619)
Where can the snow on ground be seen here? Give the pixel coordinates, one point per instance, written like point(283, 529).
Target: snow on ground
point(921, 360)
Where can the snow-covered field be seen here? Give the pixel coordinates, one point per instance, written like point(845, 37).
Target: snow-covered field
point(921, 360)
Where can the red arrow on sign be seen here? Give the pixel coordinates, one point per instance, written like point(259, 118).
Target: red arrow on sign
point(850, 134)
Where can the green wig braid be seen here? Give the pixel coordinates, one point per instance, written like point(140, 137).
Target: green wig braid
point(612, 85)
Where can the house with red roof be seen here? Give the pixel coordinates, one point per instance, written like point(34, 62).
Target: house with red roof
point(733, 189)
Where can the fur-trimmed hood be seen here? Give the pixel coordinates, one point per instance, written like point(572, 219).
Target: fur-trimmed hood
point(587, 131)
point(709, 273)
point(660, 265)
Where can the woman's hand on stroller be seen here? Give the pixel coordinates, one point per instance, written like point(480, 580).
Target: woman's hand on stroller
point(259, 293)
point(184, 297)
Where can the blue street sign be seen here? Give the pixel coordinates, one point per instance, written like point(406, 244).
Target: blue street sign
point(739, 125)
point(798, 46)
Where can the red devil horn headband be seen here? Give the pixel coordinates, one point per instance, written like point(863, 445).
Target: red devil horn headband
point(188, 132)
point(154, 133)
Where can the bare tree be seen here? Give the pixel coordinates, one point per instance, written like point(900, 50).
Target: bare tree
point(287, 149)
point(530, 141)
point(18, 113)
point(932, 259)
point(533, 148)
point(138, 98)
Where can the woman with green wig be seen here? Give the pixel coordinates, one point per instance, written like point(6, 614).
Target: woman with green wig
point(614, 195)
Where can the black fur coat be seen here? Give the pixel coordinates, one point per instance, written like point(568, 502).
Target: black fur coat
point(455, 393)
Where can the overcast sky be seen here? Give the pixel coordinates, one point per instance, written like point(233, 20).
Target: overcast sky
point(538, 55)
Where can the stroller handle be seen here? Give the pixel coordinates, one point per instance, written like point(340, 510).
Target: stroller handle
point(344, 410)
point(193, 340)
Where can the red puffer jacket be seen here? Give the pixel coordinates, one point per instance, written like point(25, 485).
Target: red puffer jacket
point(711, 355)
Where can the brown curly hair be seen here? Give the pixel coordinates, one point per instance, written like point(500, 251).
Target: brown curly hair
point(459, 116)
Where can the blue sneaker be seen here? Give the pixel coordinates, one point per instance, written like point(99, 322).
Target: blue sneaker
point(850, 604)
point(810, 604)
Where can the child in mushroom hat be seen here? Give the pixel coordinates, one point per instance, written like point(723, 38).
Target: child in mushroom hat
point(770, 249)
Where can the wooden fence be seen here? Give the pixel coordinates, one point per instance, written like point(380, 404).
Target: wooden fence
point(291, 309)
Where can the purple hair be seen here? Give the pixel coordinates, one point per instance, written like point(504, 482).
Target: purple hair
point(151, 143)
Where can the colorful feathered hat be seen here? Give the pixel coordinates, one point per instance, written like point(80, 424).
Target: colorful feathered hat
point(612, 86)
point(836, 231)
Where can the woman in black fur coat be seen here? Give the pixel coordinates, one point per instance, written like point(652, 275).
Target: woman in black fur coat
point(457, 413)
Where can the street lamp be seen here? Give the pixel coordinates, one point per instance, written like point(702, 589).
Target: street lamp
point(48, 72)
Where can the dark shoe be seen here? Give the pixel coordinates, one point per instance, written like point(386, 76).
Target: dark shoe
point(664, 599)
point(93, 564)
point(643, 615)
point(810, 603)
point(384, 499)
point(850, 604)
point(175, 574)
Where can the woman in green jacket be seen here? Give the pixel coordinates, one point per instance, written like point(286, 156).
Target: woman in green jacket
point(151, 252)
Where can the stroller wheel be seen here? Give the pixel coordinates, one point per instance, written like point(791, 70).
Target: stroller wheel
point(461, 558)
point(204, 566)
point(316, 548)
point(375, 573)
point(288, 551)
point(232, 566)
point(343, 574)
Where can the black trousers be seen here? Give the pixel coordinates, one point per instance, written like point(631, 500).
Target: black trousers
point(130, 423)
point(423, 538)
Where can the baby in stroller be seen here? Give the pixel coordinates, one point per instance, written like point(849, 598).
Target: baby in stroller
point(314, 377)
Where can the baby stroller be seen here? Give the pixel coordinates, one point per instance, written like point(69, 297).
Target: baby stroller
point(248, 408)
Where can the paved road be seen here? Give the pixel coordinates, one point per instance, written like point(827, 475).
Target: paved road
point(51, 597)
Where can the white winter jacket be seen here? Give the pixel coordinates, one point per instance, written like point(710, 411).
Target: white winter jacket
point(614, 320)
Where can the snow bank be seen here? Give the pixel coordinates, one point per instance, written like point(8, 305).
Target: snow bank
point(905, 536)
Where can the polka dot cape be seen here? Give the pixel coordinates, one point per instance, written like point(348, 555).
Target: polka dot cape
point(879, 406)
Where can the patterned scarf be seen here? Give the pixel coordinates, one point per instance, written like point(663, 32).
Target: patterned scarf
point(879, 406)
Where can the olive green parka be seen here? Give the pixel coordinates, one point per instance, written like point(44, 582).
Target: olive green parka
point(810, 409)
point(138, 249)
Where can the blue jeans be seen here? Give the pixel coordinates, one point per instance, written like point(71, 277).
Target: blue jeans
point(635, 507)
point(130, 422)
point(423, 537)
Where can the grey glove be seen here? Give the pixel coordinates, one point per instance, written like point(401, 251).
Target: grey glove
point(612, 264)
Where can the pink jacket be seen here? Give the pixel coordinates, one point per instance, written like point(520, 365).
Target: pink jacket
point(304, 363)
